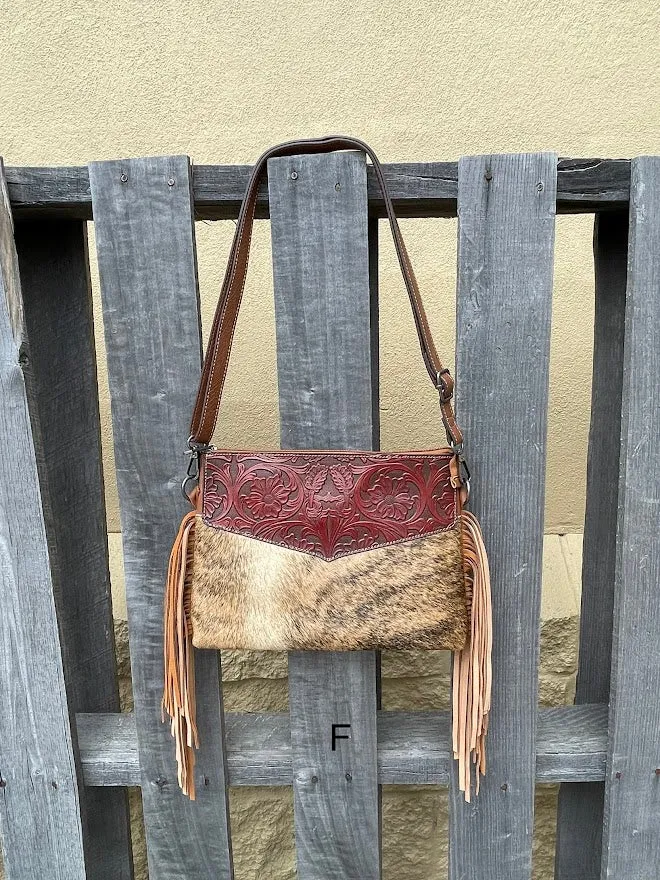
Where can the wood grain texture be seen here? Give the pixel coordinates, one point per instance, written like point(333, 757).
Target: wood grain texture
point(324, 327)
point(39, 798)
point(505, 260)
point(413, 747)
point(419, 189)
point(60, 372)
point(580, 815)
point(146, 253)
point(631, 831)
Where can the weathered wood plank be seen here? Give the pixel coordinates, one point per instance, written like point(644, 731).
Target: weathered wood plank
point(146, 252)
point(505, 261)
point(324, 327)
point(419, 189)
point(413, 747)
point(631, 832)
point(580, 815)
point(60, 372)
point(39, 800)
point(108, 747)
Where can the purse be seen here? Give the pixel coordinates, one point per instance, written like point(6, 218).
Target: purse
point(326, 550)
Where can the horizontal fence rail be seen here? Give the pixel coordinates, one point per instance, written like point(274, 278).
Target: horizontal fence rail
point(418, 189)
point(413, 747)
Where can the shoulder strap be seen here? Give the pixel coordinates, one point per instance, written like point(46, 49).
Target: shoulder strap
point(222, 331)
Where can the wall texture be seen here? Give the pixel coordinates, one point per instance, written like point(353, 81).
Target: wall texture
point(419, 80)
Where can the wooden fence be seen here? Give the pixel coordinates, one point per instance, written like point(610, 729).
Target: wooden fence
point(65, 750)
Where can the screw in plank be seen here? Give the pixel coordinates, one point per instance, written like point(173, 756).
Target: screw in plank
point(489, 174)
point(349, 777)
point(171, 181)
point(504, 787)
point(617, 775)
point(54, 785)
point(338, 186)
point(161, 782)
point(540, 186)
point(314, 779)
point(294, 175)
point(124, 177)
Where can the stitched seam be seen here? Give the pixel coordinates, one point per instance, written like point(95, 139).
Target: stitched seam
point(415, 293)
point(292, 453)
point(222, 315)
point(217, 344)
point(231, 340)
point(402, 252)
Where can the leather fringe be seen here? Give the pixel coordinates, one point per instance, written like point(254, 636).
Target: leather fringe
point(179, 691)
point(472, 672)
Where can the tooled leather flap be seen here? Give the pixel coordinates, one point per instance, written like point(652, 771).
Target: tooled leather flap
point(329, 504)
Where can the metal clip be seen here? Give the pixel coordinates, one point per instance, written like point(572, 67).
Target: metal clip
point(192, 472)
point(463, 469)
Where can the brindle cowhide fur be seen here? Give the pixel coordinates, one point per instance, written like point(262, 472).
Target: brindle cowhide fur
point(250, 594)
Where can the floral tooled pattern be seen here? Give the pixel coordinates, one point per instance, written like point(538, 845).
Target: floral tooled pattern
point(329, 504)
point(390, 499)
point(267, 496)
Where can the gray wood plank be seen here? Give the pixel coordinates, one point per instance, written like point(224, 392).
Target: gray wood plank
point(146, 252)
point(413, 747)
point(631, 832)
point(39, 807)
point(108, 747)
point(419, 189)
point(580, 813)
point(505, 262)
point(571, 744)
point(324, 328)
point(60, 372)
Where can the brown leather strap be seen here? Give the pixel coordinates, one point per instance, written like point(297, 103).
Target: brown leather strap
point(222, 331)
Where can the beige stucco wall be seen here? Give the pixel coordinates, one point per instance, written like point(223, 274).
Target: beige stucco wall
point(419, 80)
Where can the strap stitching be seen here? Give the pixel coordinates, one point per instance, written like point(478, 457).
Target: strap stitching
point(429, 349)
point(219, 326)
point(231, 338)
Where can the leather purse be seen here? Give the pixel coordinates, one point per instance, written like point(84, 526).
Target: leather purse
point(326, 550)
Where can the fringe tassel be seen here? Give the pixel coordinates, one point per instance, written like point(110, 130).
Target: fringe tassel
point(472, 674)
point(179, 691)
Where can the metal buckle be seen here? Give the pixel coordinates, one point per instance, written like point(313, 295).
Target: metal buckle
point(441, 387)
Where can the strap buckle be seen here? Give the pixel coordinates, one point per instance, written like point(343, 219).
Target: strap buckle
point(445, 386)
